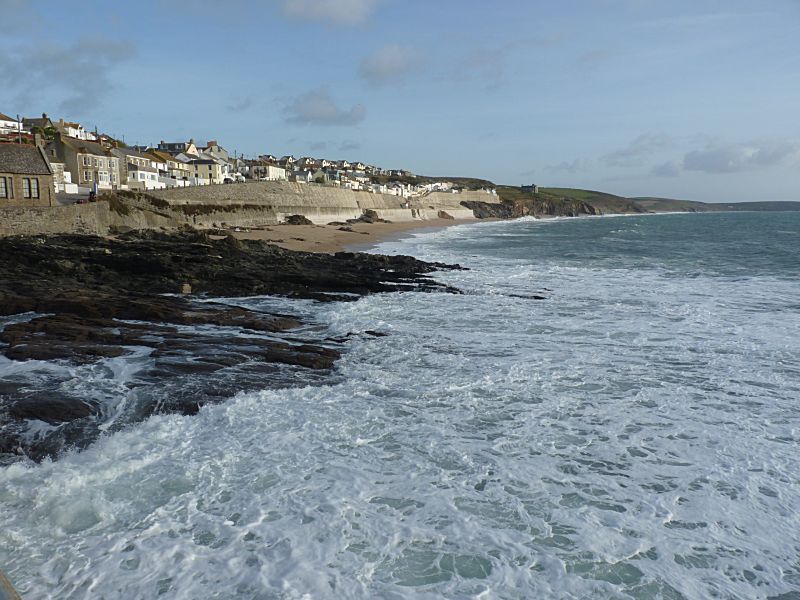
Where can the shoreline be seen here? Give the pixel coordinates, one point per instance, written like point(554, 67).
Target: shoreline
point(329, 239)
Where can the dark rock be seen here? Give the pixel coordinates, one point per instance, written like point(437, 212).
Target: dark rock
point(376, 333)
point(487, 210)
point(298, 220)
point(51, 409)
point(444, 215)
point(95, 298)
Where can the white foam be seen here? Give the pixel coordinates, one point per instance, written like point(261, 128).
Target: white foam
point(632, 436)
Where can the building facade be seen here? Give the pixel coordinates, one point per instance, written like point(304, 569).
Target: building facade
point(26, 178)
point(89, 163)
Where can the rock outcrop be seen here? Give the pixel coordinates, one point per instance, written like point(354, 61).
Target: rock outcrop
point(90, 299)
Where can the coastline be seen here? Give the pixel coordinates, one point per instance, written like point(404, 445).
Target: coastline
point(329, 239)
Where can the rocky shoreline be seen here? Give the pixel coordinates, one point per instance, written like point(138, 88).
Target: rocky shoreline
point(81, 301)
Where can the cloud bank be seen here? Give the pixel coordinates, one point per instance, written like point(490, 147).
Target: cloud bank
point(316, 107)
point(738, 158)
point(638, 150)
point(80, 73)
point(336, 12)
point(390, 64)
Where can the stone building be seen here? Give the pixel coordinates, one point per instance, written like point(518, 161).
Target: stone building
point(89, 163)
point(26, 178)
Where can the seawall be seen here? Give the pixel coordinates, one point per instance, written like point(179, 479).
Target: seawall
point(246, 205)
point(94, 218)
point(321, 204)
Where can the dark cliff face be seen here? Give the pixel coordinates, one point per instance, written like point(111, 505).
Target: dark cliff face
point(530, 207)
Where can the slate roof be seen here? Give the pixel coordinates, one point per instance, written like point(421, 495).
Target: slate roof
point(42, 122)
point(23, 159)
point(4, 117)
point(85, 146)
point(123, 152)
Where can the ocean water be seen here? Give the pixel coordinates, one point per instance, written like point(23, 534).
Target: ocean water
point(634, 434)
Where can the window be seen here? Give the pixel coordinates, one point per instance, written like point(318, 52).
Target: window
point(87, 175)
point(34, 183)
point(5, 187)
point(87, 161)
point(26, 187)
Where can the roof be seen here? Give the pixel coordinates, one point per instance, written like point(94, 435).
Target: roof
point(4, 117)
point(37, 122)
point(85, 146)
point(147, 168)
point(23, 159)
point(159, 156)
point(130, 152)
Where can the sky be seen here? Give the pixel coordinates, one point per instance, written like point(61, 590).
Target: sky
point(692, 99)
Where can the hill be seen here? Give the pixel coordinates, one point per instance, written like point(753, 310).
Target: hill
point(605, 203)
point(671, 205)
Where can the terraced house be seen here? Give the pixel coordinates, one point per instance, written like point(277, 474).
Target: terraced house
point(88, 162)
point(26, 178)
point(138, 170)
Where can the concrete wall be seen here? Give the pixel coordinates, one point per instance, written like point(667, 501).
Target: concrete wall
point(78, 218)
point(234, 205)
point(320, 204)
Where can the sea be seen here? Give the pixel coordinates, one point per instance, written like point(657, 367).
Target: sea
point(610, 409)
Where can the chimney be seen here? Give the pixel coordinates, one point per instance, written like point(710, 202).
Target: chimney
point(37, 140)
point(44, 115)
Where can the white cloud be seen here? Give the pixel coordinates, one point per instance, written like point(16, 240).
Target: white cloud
point(579, 165)
point(316, 107)
point(634, 153)
point(390, 64)
point(241, 104)
point(337, 12)
point(668, 169)
point(737, 158)
point(78, 73)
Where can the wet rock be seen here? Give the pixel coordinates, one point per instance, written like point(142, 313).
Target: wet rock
point(298, 220)
point(98, 298)
point(50, 408)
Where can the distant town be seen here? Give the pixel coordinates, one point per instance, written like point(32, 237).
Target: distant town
point(82, 162)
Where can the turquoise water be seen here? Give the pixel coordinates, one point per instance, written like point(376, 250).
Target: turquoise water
point(635, 434)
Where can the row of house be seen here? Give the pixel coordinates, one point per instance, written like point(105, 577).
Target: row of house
point(80, 160)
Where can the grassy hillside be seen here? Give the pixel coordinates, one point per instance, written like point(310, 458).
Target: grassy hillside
point(605, 203)
point(671, 205)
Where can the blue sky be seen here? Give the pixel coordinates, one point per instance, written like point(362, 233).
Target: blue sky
point(692, 99)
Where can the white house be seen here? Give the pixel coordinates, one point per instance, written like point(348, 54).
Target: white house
point(267, 172)
point(74, 130)
point(141, 170)
point(303, 176)
point(9, 125)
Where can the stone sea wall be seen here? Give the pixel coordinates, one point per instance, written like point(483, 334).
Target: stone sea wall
point(254, 204)
point(92, 218)
point(320, 204)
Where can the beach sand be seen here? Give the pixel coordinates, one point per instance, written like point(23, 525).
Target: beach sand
point(330, 238)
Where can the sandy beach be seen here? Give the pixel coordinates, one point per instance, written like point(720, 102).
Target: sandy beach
point(335, 238)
